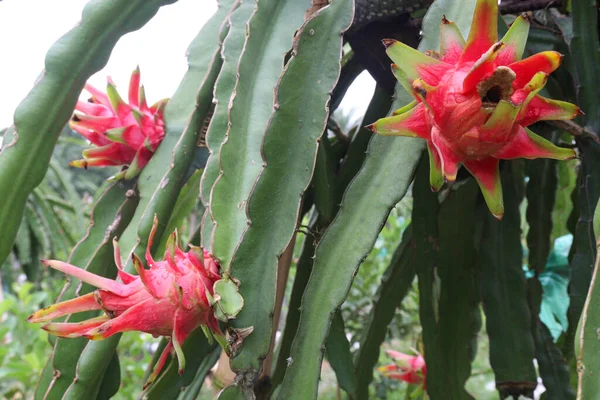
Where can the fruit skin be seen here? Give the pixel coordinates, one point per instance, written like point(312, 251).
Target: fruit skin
point(172, 298)
point(124, 133)
point(407, 368)
point(474, 101)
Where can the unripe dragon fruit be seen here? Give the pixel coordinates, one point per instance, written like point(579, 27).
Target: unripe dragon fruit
point(125, 134)
point(406, 368)
point(172, 298)
point(474, 100)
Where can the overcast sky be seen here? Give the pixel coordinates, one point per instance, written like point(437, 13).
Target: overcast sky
point(30, 27)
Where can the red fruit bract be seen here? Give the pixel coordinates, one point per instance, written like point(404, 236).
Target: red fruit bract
point(125, 134)
point(474, 100)
point(172, 298)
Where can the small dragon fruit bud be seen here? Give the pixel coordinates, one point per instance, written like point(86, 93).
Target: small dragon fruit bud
point(124, 134)
point(171, 298)
point(474, 101)
point(407, 368)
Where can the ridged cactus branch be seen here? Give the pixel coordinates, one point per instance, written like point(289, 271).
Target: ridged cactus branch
point(395, 284)
point(447, 284)
point(541, 194)
point(585, 49)
point(340, 252)
point(215, 135)
point(296, 125)
point(269, 37)
point(501, 261)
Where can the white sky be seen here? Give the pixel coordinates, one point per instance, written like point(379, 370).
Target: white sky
point(29, 27)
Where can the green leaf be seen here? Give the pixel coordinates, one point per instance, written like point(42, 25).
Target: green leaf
point(38, 230)
point(555, 282)
point(224, 86)
point(111, 214)
point(23, 243)
point(63, 176)
point(395, 283)
point(40, 118)
point(290, 144)
point(60, 239)
point(503, 294)
point(552, 366)
point(269, 35)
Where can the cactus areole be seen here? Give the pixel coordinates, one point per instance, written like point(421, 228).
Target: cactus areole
point(475, 99)
point(172, 298)
point(124, 133)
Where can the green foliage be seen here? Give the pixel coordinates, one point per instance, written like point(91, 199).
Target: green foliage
point(259, 153)
point(24, 347)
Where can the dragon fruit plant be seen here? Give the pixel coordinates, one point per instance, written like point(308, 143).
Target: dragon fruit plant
point(252, 162)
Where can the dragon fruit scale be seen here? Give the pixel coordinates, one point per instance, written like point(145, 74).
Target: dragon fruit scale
point(475, 99)
point(124, 133)
point(172, 298)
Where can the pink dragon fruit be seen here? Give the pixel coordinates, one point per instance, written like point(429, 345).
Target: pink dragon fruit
point(172, 298)
point(125, 134)
point(474, 100)
point(410, 369)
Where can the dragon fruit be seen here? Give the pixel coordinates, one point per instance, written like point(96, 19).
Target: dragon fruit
point(474, 101)
point(125, 134)
point(407, 368)
point(172, 298)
